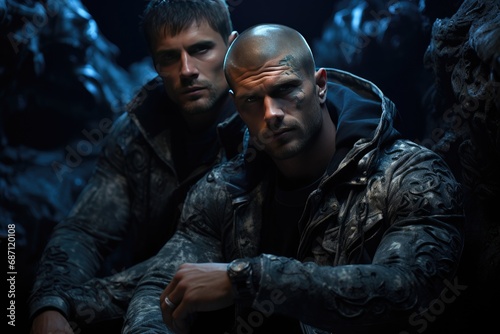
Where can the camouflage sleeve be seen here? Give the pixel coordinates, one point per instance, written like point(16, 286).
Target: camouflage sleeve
point(197, 240)
point(78, 244)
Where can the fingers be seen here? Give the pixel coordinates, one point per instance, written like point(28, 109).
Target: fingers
point(170, 300)
point(168, 290)
point(174, 317)
point(194, 288)
point(167, 308)
point(169, 303)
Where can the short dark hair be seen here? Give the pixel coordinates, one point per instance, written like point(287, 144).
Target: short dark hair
point(172, 16)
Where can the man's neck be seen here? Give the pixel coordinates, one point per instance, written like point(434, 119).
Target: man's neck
point(312, 163)
point(201, 121)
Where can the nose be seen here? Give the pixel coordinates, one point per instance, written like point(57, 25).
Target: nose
point(273, 113)
point(188, 66)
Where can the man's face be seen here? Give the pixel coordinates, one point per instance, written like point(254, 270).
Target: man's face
point(190, 65)
point(280, 105)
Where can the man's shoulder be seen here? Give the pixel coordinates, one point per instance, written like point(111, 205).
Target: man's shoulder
point(217, 183)
point(410, 147)
point(123, 132)
point(124, 125)
point(241, 175)
point(224, 171)
point(408, 152)
point(149, 90)
point(227, 174)
point(142, 109)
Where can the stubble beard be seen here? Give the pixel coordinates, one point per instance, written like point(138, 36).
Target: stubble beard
point(303, 141)
point(201, 105)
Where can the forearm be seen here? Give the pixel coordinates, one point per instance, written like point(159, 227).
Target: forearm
point(99, 299)
point(106, 298)
point(144, 312)
point(79, 244)
point(65, 262)
point(399, 282)
point(329, 297)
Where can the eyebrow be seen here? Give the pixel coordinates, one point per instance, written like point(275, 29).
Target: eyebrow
point(204, 43)
point(288, 81)
point(275, 89)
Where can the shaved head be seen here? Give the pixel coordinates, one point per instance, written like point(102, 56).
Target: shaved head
point(259, 44)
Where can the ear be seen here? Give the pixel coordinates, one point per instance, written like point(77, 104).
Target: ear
point(157, 67)
point(232, 37)
point(321, 84)
point(231, 93)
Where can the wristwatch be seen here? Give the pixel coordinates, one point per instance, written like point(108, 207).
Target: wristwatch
point(240, 274)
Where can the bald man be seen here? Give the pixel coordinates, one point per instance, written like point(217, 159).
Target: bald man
point(328, 221)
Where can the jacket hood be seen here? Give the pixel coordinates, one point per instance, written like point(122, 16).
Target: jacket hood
point(362, 115)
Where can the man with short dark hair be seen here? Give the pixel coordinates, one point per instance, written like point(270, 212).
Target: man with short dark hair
point(179, 126)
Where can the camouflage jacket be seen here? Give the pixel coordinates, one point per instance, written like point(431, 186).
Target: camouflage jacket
point(130, 205)
point(381, 236)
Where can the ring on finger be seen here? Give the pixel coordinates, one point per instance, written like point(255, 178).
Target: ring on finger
point(169, 303)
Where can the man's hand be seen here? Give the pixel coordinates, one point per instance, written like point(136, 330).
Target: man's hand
point(50, 322)
point(196, 287)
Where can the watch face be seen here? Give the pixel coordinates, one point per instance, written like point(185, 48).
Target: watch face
point(239, 266)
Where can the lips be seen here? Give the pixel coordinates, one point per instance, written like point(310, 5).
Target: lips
point(191, 90)
point(279, 134)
